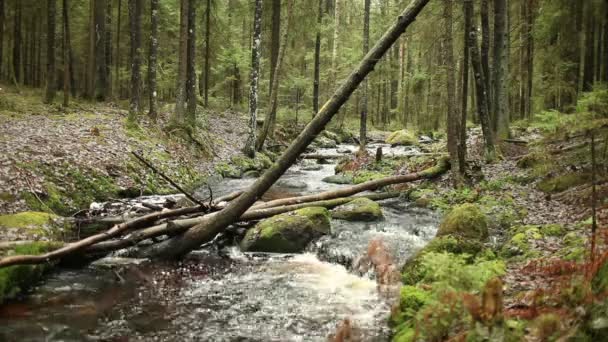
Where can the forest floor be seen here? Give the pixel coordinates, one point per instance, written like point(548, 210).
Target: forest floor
point(50, 155)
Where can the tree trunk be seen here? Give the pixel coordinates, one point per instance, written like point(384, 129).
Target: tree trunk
point(589, 46)
point(334, 53)
point(152, 113)
point(135, 9)
point(17, 43)
point(200, 233)
point(101, 85)
point(117, 56)
point(190, 63)
point(207, 49)
point(1, 38)
point(364, 110)
point(501, 69)
point(66, 55)
point(274, 93)
point(108, 47)
point(604, 44)
point(50, 52)
point(180, 101)
point(485, 53)
point(315, 94)
point(275, 39)
point(453, 116)
point(480, 88)
point(462, 141)
point(254, 79)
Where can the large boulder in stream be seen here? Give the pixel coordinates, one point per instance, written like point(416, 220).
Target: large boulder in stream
point(402, 138)
point(465, 221)
point(339, 179)
point(361, 209)
point(288, 233)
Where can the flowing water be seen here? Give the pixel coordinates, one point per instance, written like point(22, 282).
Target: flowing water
point(227, 295)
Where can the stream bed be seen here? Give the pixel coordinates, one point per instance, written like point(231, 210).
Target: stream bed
point(226, 295)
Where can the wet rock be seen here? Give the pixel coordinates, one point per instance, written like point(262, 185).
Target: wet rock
point(323, 142)
point(288, 233)
point(291, 184)
point(466, 221)
point(402, 138)
point(425, 139)
point(251, 174)
point(344, 150)
point(339, 179)
point(361, 209)
point(117, 262)
point(312, 167)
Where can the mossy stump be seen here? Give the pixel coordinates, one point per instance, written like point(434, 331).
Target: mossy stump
point(466, 221)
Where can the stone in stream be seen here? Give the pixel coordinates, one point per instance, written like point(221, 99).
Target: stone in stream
point(291, 184)
point(287, 233)
point(402, 138)
point(323, 142)
point(311, 167)
point(361, 209)
point(251, 174)
point(117, 262)
point(339, 179)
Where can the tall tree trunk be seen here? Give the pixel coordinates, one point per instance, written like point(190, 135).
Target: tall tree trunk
point(180, 101)
point(17, 43)
point(480, 88)
point(152, 113)
point(207, 51)
point(216, 222)
point(254, 79)
point(275, 38)
point(530, 55)
point(50, 52)
point(462, 141)
point(315, 91)
point(485, 51)
point(101, 85)
point(604, 44)
point(453, 118)
point(190, 70)
point(363, 124)
point(91, 60)
point(589, 46)
point(334, 53)
point(135, 8)
point(108, 47)
point(501, 69)
point(117, 54)
point(66, 54)
point(274, 93)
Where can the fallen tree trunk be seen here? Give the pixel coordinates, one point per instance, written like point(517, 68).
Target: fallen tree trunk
point(441, 167)
point(206, 231)
point(178, 226)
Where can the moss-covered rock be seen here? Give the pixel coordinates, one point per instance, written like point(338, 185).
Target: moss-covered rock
point(323, 142)
point(363, 176)
point(27, 219)
point(228, 171)
point(361, 209)
point(402, 138)
point(521, 242)
point(15, 279)
point(339, 179)
point(466, 221)
point(563, 182)
point(288, 233)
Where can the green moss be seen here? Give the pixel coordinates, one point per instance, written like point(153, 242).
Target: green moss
point(15, 279)
point(228, 171)
point(367, 175)
point(532, 159)
point(402, 137)
point(26, 219)
point(466, 221)
point(288, 233)
point(563, 182)
point(552, 230)
point(360, 209)
point(521, 242)
point(412, 299)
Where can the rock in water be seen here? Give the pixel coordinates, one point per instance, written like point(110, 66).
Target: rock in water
point(361, 209)
point(291, 184)
point(402, 138)
point(339, 179)
point(288, 233)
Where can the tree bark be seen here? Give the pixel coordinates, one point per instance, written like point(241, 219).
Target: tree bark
point(485, 52)
point(315, 94)
point(200, 233)
point(108, 47)
point(588, 70)
point(480, 88)
point(17, 43)
point(101, 84)
point(50, 52)
point(453, 116)
point(190, 63)
point(180, 101)
point(152, 86)
point(462, 141)
point(501, 69)
point(1, 39)
point(364, 110)
point(334, 53)
point(207, 51)
point(117, 56)
point(275, 39)
point(254, 79)
point(274, 93)
point(135, 9)
point(66, 55)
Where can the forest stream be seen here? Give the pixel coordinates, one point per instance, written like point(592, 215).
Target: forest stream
point(221, 294)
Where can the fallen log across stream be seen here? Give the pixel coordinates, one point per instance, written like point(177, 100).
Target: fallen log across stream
point(147, 227)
